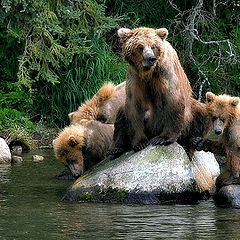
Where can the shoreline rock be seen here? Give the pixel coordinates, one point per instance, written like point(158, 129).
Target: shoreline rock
point(5, 154)
point(17, 159)
point(155, 175)
point(37, 158)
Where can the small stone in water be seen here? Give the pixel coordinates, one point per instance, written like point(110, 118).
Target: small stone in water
point(37, 158)
point(17, 159)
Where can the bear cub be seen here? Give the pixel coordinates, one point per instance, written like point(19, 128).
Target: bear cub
point(80, 147)
point(224, 135)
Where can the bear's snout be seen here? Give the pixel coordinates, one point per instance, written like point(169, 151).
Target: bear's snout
point(149, 58)
point(152, 60)
point(218, 132)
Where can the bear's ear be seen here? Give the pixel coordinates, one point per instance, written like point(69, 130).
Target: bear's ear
point(234, 101)
point(72, 142)
point(124, 33)
point(70, 115)
point(162, 33)
point(210, 97)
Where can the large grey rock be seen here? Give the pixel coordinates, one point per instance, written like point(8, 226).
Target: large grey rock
point(156, 174)
point(228, 196)
point(5, 154)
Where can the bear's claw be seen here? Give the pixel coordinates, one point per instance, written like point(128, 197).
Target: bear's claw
point(115, 152)
point(199, 144)
point(140, 146)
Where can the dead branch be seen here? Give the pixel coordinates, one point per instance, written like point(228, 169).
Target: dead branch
point(190, 32)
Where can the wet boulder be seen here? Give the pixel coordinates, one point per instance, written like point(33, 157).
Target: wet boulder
point(154, 175)
point(5, 154)
point(228, 196)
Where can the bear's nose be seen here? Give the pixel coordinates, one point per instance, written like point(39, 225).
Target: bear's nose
point(76, 175)
point(152, 60)
point(218, 132)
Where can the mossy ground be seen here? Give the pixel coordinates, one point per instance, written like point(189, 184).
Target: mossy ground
point(34, 140)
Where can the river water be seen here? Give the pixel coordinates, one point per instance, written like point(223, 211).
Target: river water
point(31, 208)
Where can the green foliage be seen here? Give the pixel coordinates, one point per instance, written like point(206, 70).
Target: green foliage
point(62, 59)
point(14, 96)
point(11, 118)
point(53, 32)
point(10, 49)
point(80, 82)
point(221, 62)
point(56, 54)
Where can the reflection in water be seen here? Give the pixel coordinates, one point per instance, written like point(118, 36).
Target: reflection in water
point(5, 170)
point(31, 208)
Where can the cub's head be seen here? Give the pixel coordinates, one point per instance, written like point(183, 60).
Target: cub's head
point(222, 110)
point(80, 116)
point(142, 47)
point(68, 149)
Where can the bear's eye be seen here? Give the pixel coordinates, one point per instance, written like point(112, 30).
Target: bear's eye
point(71, 161)
point(214, 118)
point(153, 47)
point(223, 119)
point(140, 48)
point(63, 152)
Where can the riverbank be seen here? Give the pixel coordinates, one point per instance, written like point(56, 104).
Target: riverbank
point(41, 139)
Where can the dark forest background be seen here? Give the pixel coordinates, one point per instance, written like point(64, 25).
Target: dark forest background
point(55, 54)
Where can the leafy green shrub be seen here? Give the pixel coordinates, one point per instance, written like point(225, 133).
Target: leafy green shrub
point(53, 32)
point(14, 96)
point(56, 54)
point(10, 49)
point(65, 58)
point(11, 118)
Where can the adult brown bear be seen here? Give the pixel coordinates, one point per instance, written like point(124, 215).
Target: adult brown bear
point(159, 103)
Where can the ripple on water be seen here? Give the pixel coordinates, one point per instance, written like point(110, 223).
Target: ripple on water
point(31, 208)
point(5, 170)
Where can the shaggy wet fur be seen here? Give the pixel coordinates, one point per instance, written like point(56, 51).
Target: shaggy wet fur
point(102, 107)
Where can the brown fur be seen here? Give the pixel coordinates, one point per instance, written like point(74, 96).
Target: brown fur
point(198, 127)
point(224, 114)
point(80, 147)
point(103, 106)
point(159, 96)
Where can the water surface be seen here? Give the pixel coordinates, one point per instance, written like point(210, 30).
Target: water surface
point(31, 208)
